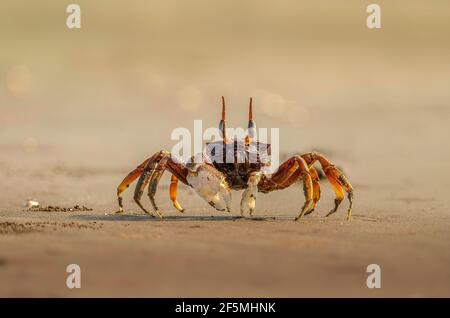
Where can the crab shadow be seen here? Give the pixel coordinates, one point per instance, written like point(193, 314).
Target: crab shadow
point(177, 218)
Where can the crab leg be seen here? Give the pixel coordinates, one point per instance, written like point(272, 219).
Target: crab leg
point(150, 172)
point(133, 175)
point(249, 196)
point(316, 189)
point(173, 193)
point(339, 194)
point(336, 178)
point(287, 174)
point(151, 175)
point(157, 172)
point(307, 186)
point(140, 186)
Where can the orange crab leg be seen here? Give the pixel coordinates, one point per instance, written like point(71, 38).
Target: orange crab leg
point(316, 189)
point(287, 174)
point(149, 173)
point(222, 123)
point(173, 193)
point(338, 191)
point(336, 178)
point(133, 175)
point(251, 124)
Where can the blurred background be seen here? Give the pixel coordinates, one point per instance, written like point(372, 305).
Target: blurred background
point(80, 108)
point(100, 99)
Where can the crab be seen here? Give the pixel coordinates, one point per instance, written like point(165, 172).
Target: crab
point(214, 179)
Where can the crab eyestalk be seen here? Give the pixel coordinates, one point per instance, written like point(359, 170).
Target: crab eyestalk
point(251, 134)
point(222, 123)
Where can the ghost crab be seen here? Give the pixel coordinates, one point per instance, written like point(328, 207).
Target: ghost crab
point(213, 180)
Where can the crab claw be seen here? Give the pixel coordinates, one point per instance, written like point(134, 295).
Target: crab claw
point(211, 185)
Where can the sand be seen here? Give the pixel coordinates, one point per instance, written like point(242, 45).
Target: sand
point(398, 223)
point(81, 108)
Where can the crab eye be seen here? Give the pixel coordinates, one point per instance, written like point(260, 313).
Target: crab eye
point(222, 125)
point(251, 124)
point(251, 129)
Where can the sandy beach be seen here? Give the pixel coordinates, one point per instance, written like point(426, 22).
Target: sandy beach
point(80, 109)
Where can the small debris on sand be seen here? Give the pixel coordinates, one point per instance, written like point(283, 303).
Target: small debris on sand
point(14, 228)
point(28, 227)
point(50, 208)
point(31, 203)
